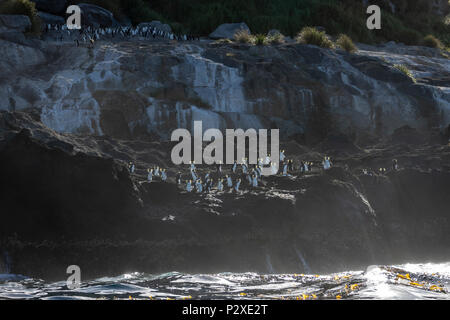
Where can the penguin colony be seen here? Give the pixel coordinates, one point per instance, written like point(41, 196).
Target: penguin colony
point(89, 35)
point(241, 174)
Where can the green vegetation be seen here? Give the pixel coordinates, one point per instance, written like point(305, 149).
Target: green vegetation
point(260, 39)
point(410, 24)
point(412, 21)
point(432, 42)
point(310, 35)
point(405, 70)
point(25, 7)
point(345, 43)
point(243, 36)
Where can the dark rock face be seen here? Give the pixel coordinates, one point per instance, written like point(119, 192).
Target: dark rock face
point(57, 7)
point(65, 200)
point(95, 16)
point(408, 135)
point(14, 23)
point(52, 19)
point(66, 196)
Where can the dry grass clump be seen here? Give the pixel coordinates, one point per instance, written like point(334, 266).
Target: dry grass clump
point(310, 35)
point(276, 38)
point(346, 43)
point(432, 42)
point(243, 36)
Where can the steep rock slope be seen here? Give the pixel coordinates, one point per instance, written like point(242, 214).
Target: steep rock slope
point(127, 89)
point(68, 199)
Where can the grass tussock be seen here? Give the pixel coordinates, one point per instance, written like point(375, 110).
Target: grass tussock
point(310, 35)
point(432, 42)
point(276, 38)
point(345, 43)
point(243, 36)
point(23, 7)
point(223, 41)
point(404, 69)
point(260, 40)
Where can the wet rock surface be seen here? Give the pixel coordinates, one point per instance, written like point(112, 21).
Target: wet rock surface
point(69, 198)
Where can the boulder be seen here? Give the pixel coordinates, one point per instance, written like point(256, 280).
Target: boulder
point(51, 6)
point(227, 30)
point(48, 18)
point(156, 24)
point(273, 32)
point(14, 23)
point(95, 16)
point(440, 7)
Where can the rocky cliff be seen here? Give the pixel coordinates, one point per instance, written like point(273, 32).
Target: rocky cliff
point(69, 199)
point(73, 116)
point(130, 88)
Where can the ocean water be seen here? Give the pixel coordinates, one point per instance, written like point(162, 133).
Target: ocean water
point(408, 281)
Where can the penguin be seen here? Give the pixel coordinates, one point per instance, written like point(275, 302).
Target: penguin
point(285, 169)
point(394, 165)
point(209, 185)
point(236, 187)
point(258, 171)
point(234, 167)
point(207, 176)
point(229, 182)
point(220, 185)
point(326, 163)
point(219, 167)
point(163, 175)
point(267, 160)
point(131, 167)
point(290, 165)
point(282, 156)
point(150, 175)
point(244, 167)
point(255, 180)
point(192, 165)
point(157, 171)
point(194, 176)
point(249, 178)
point(260, 162)
point(178, 178)
point(199, 186)
point(188, 186)
point(274, 168)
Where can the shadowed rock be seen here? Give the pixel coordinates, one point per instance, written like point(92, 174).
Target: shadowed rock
point(57, 7)
point(228, 30)
point(65, 200)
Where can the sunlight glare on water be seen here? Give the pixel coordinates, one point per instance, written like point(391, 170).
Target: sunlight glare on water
point(408, 281)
